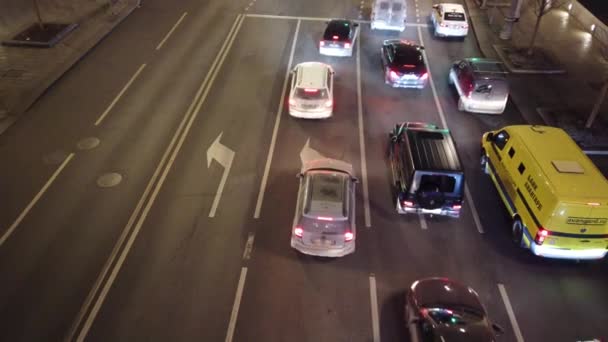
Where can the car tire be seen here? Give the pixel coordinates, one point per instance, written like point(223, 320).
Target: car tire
point(460, 104)
point(484, 163)
point(517, 232)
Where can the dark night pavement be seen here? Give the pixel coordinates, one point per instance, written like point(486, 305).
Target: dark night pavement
point(181, 268)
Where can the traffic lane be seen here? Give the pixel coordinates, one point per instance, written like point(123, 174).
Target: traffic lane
point(125, 148)
point(313, 8)
point(185, 264)
point(35, 146)
point(601, 162)
point(290, 296)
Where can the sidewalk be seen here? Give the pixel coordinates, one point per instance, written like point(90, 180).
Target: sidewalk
point(26, 72)
point(561, 93)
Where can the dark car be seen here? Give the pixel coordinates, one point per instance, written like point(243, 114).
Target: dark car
point(403, 64)
point(428, 177)
point(339, 38)
point(440, 309)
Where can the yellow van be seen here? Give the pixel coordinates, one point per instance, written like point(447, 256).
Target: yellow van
point(557, 198)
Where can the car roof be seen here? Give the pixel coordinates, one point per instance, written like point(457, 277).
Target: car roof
point(327, 193)
point(432, 149)
point(448, 7)
point(445, 292)
point(328, 164)
point(337, 27)
point(312, 74)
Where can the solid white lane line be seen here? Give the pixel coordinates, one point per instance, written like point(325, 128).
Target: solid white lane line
point(423, 224)
point(505, 299)
point(373, 296)
point(444, 123)
point(275, 130)
point(235, 307)
point(368, 220)
point(248, 246)
point(473, 209)
point(36, 198)
point(99, 282)
point(124, 89)
point(288, 17)
point(162, 42)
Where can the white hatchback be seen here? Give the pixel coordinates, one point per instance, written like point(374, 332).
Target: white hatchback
point(449, 20)
point(311, 92)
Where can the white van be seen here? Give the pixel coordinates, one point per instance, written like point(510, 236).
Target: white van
point(388, 15)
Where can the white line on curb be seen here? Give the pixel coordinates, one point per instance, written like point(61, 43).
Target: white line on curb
point(162, 42)
point(505, 299)
point(187, 121)
point(275, 130)
point(445, 125)
point(35, 200)
point(235, 307)
point(368, 220)
point(373, 296)
point(124, 89)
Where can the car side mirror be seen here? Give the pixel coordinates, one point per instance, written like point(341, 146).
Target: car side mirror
point(299, 175)
point(498, 330)
point(490, 137)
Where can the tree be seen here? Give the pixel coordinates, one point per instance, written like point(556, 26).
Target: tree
point(37, 7)
point(542, 7)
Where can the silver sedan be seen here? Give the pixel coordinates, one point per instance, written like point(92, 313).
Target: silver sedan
point(324, 222)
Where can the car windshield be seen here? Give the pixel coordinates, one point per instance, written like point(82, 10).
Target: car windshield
point(327, 195)
point(337, 28)
point(408, 59)
point(437, 183)
point(454, 16)
point(454, 316)
point(311, 93)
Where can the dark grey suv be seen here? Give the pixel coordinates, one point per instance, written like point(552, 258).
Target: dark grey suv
point(427, 174)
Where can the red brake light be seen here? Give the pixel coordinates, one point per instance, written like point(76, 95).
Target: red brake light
point(457, 206)
point(335, 37)
point(310, 90)
point(346, 45)
point(541, 235)
point(409, 66)
point(298, 231)
point(349, 236)
point(292, 102)
point(324, 218)
point(321, 43)
point(329, 103)
point(393, 74)
point(424, 76)
point(407, 203)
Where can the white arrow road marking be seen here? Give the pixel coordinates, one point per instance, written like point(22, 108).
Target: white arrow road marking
point(224, 156)
point(307, 153)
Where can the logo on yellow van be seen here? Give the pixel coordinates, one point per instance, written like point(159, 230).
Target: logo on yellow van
point(587, 221)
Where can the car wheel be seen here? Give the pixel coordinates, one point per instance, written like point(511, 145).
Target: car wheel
point(517, 232)
point(484, 163)
point(460, 104)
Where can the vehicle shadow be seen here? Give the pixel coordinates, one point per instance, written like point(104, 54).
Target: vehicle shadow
point(391, 317)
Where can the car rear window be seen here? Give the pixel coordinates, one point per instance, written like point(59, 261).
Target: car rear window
point(408, 59)
point(454, 16)
point(437, 183)
point(311, 93)
point(339, 28)
point(327, 192)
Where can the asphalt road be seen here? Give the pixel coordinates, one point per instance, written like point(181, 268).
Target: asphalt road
point(161, 257)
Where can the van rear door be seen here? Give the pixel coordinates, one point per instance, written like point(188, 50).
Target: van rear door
point(585, 226)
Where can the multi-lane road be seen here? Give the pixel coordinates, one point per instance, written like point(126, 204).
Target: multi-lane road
point(185, 102)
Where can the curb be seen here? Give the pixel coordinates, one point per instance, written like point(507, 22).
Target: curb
point(516, 70)
point(12, 115)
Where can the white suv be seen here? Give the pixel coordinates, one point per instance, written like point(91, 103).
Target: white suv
point(449, 20)
point(311, 93)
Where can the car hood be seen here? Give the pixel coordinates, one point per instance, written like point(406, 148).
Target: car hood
point(328, 164)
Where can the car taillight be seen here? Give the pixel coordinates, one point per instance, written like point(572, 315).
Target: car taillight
point(347, 45)
point(424, 76)
point(298, 231)
point(349, 236)
point(541, 235)
point(468, 90)
point(329, 103)
point(292, 102)
point(456, 206)
point(321, 43)
point(407, 203)
point(393, 75)
point(335, 37)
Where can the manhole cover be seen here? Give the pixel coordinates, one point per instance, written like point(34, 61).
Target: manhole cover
point(88, 143)
point(55, 157)
point(109, 180)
